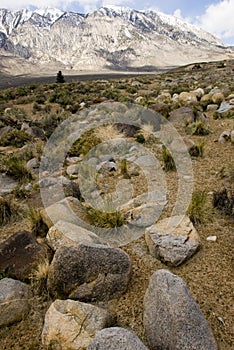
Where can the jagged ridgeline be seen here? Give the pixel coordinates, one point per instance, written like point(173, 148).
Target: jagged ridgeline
point(113, 38)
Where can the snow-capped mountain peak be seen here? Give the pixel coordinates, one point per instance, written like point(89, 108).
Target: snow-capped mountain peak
point(112, 37)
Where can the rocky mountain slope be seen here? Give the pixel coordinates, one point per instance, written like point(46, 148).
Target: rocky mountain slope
point(114, 38)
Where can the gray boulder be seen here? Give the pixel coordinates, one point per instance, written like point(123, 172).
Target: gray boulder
point(172, 319)
point(172, 240)
point(181, 115)
point(14, 301)
point(89, 272)
point(7, 184)
point(72, 325)
point(116, 338)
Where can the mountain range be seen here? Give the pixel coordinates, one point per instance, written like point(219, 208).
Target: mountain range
point(111, 38)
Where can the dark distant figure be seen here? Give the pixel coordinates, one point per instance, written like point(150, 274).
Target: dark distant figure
point(60, 78)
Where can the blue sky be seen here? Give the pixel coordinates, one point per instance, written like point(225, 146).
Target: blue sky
point(215, 16)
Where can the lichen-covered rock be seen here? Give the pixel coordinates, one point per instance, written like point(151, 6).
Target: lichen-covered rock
point(72, 325)
point(89, 272)
point(172, 240)
point(14, 301)
point(116, 338)
point(172, 319)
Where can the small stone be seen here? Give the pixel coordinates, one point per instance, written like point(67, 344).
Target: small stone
point(212, 238)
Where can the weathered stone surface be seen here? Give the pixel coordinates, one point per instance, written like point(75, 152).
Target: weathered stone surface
point(199, 92)
point(64, 233)
point(181, 115)
point(89, 272)
point(188, 97)
point(72, 325)
point(218, 97)
point(116, 338)
point(73, 170)
point(68, 209)
point(225, 136)
point(162, 108)
point(172, 319)
point(172, 240)
point(14, 301)
point(20, 254)
point(7, 184)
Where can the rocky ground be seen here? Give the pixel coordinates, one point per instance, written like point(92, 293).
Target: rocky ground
point(198, 100)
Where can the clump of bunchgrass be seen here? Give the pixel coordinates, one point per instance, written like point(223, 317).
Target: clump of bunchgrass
point(197, 210)
point(8, 210)
point(39, 277)
point(109, 217)
point(168, 161)
point(16, 168)
point(38, 227)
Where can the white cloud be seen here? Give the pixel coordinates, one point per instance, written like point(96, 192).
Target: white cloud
point(178, 13)
point(219, 19)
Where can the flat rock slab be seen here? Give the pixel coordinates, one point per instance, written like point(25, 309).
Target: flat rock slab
point(172, 319)
point(14, 301)
point(20, 254)
point(72, 325)
point(89, 272)
point(116, 338)
point(64, 233)
point(172, 240)
point(68, 209)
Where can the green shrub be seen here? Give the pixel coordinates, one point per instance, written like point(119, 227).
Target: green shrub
point(168, 161)
point(84, 144)
point(16, 168)
point(197, 211)
point(16, 138)
point(140, 138)
point(199, 128)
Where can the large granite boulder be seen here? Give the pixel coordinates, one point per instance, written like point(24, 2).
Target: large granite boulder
point(72, 325)
point(172, 240)
point(89, 272)
point(172, 319)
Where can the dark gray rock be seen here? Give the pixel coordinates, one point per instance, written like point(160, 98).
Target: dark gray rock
point(116, 338)
point(14, 301)
point(20, 254)
point(172, 319)
point(89, 272)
